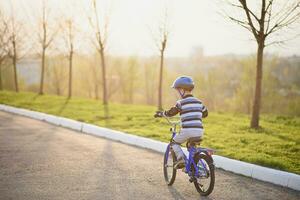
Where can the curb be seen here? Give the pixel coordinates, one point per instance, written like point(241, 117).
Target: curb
point(277, 177)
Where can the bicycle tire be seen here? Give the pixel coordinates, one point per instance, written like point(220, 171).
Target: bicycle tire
point(169, 180)
point(211, 166)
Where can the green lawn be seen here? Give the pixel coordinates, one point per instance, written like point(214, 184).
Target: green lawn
point(276, 144)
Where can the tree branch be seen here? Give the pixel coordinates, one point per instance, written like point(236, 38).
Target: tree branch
point(253, 15)
point(269, 12)
point(98, 31)
point(286, 19)
point(241, 23)
point(254, 31)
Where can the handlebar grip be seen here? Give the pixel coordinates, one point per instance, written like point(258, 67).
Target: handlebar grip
point(158, 114)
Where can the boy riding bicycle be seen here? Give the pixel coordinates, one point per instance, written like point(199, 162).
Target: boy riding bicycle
point(191, 112)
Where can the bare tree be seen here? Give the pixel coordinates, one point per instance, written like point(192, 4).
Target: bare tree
point(96, 79)
point(161, 42)
point(263, 23)
point(3, 43)
point(13, 54)
point(15, 44)
point(45, 39)
point(69, 35)
point(100, 43)
point(162, 53)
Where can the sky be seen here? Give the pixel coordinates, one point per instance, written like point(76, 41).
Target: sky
point(133, 26)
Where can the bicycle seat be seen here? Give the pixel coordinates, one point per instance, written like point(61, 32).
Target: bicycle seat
point(193, 141)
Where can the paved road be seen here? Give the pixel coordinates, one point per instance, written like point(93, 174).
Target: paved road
point(41, 161)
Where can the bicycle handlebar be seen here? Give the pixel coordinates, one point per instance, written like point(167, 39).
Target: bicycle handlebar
point(172, 123)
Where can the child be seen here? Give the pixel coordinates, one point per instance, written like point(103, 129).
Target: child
point(191, 112)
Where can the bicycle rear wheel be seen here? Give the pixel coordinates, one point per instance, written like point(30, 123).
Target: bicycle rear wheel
point(169, 170)
point(204, 184)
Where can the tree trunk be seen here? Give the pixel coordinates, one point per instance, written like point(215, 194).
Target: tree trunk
point(96, 90)
point(1, 87)
point(70, 74)
point(160, 80)
point(248, 106)
point(105, 102)
point(131, 92)
point(57, 89)
point(131, 81)
point(147, 87)
point(41, 92)
point(15, 73)
point(257, 95)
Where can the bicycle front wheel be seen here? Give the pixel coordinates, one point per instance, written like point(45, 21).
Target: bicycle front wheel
point(169, 170)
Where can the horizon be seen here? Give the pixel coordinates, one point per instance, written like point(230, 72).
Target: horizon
point(272, 54)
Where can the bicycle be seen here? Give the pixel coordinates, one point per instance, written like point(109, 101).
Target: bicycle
point(199, 164)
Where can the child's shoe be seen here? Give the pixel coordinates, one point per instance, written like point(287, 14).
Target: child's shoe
point(179, 164)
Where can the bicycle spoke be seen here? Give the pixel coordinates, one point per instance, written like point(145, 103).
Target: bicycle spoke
point(201, 186)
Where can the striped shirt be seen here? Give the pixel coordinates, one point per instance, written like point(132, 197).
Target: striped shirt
point(191, 112)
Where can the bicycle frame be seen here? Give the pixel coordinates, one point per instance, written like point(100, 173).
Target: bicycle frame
point(192, 151)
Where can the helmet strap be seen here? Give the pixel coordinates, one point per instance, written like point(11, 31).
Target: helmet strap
point(181, 94)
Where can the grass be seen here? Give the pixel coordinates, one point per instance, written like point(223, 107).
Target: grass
point(275, 145)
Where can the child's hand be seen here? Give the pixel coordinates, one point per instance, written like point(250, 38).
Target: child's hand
point(158, 114)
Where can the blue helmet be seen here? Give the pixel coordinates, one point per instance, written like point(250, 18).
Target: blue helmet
point(183, 82)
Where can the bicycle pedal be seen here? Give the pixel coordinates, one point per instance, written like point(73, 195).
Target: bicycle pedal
point(192, 179)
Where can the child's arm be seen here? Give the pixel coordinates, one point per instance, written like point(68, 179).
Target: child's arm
point(173, 111)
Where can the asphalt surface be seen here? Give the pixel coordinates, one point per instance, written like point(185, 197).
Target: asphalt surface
point(42, 161)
